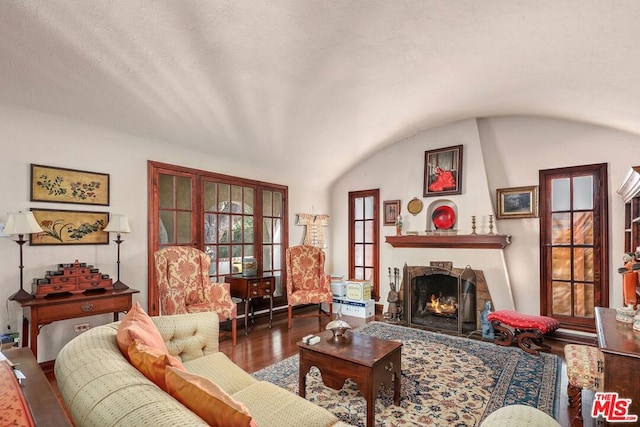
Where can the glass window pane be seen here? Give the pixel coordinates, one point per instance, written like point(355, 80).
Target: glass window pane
point(561, 263)
point(561, 228)
point(267, 209)
point(277, 259)
point(560, 194)
point(278, 290)
point(184, 227)
point(210, 228)
point(583, 264)
point(561, 298)
point(248, 201)
point(224, 197)
point(359, 208)
point(277, 231)
point(368, 255)
point(224, 230)
point(266, 230)
point(583, 228)
point(368, 274)
point(211, 251)
point(368, 208)
point(167, 227)
point(236, 227)
point(210, 196)
point(277, 204)
point(183, 193)
point(236, 258)
point(368, 231)
point(267, 258)
point(248, 250)
point(583, 192)
point(584, 300)
point(165, 192)
point(358, 254)
point(358, 227)
point(359, 273)
point(248, 229)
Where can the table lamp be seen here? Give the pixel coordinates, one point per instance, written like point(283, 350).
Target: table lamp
point(21, 223)
point(118, 224)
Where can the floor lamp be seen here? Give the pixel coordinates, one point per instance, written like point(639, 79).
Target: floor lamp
point(118, 224)
point(21, 223)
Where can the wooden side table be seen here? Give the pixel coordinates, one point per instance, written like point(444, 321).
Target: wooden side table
point(37, 391)
point(248, 287)
point(42, 311)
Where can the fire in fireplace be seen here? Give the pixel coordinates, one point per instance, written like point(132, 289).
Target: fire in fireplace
point(440, 297)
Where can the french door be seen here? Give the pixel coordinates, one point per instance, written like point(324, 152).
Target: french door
point(574, 244)
point(364, 251)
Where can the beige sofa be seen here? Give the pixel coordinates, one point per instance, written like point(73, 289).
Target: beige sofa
point(101, 388)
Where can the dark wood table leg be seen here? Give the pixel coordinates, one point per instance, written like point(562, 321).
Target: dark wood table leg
point(302, 376)
point(246, 314)
point(369, 392)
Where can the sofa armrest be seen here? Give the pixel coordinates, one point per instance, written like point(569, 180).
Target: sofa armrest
point(189, 336)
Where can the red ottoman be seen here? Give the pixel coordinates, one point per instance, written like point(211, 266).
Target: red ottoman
point(526, 330)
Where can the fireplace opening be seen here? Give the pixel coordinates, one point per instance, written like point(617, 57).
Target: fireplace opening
point(442, 299)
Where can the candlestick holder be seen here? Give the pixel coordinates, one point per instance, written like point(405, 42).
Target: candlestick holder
point(473, 225)
point(490, 224)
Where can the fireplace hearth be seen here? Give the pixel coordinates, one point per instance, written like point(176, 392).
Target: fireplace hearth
point(443, 298)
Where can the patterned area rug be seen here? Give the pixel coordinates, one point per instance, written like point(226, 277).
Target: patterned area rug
point(446, 381)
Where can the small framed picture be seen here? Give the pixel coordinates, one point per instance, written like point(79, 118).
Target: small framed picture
point(443, 171)
point(517, 202)
point(391, 211)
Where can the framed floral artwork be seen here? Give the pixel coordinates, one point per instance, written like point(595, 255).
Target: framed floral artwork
point(517, 202)
point(60, 185)
point(391, 211)
point(443, 171)
point(61, 227)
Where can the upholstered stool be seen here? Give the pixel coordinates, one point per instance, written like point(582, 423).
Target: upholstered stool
point(519, 415)
point(584, 370)
point(526, 330)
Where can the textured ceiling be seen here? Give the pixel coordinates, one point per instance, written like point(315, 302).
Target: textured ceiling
point(268, 80)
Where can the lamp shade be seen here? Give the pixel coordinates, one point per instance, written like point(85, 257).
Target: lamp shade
point(118, 224)
point(21, 223)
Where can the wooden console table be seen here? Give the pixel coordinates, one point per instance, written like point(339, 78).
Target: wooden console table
point(42, 311)
point(36, 389)
point(248, 287)
point(621, 350)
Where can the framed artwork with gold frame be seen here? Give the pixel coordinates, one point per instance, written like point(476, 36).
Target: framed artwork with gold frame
point(391, 210)
point(517, 202)
point(62, 227)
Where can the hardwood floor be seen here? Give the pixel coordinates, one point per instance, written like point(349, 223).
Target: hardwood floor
point(264, 347)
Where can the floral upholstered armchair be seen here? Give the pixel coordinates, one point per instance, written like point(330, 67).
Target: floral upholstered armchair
point(307, 282)
point(182, 275)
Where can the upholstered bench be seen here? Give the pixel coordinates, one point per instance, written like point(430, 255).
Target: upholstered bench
point(526, 330)
point(584, 370)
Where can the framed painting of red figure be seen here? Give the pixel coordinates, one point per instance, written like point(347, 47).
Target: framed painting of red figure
point(443, 171)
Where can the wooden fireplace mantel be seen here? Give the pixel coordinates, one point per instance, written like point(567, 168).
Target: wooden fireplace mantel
point(467, 241)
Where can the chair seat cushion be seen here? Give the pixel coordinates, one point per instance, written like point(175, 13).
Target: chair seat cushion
point(582, 365)
point(525, 321)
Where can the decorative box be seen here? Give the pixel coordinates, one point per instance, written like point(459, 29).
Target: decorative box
point(338, 288)
point(74, 278)
point(363, 309)
point(358, 290)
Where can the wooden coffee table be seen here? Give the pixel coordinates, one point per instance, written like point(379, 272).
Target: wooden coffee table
point(368, 361)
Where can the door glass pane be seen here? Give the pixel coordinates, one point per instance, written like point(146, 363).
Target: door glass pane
point(210, 195)
point(236, 198)
point(359, 254)
point(584, 300)
point(583, 264)
point(267, 257)
point(211, 251)
point(583, 192)
point(583, 228)
point(368, 274)
point(561, 228)
point(560, 194)
point(183, 193)
point(359, 273)
point(277, 205)
point(359, 208)
point(368, 207)
point(368, 232)
point(277, 230)
point(248, 229)
point(167, 228)
point(266, 230)
point(224, 197)
point(210, 228)
point(368, 255)
point(165, 191)
point(184, 227)
point(224, 231)
point(248, 201)
point(358, 231)
point(561, 259)
point(277, 259)
point(267, 206)
point(236, 229)
point(561, 298)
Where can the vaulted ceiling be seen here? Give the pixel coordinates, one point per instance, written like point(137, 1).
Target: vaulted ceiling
point(279, 80)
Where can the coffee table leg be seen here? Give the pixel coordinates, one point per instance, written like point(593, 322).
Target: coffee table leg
point(302, 377)
point(369, 393)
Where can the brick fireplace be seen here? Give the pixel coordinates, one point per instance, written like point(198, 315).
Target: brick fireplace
point(443, 297)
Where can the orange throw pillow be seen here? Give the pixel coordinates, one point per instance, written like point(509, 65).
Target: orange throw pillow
point(207, 400)
point(152, 362)
point(138, 325)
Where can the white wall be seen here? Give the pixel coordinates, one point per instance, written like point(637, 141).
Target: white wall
point(30, 137)
point(498, 153)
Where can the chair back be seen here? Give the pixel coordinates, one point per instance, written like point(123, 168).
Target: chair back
point(181, 273)
point(305, 268)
